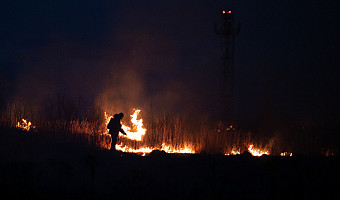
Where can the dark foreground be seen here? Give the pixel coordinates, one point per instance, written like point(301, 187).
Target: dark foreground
point(45, 170)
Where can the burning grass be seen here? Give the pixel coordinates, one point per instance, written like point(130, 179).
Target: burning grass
point(167, 134)
point(257, 151)
point(25, 125)
point(136, 141)
point(172, 134)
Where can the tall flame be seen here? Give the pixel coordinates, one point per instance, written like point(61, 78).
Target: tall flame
point(137, 130)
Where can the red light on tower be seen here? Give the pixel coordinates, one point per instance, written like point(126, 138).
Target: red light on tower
point(226, 12)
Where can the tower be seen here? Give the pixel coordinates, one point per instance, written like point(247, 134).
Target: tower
point(228, 33)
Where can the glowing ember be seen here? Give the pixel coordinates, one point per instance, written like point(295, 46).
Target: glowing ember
point(230, 128)
point(257, 152)
point(286, 154)
point(329, 153)
point(25, 125)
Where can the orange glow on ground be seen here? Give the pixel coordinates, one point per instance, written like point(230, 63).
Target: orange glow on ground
point(147, 150)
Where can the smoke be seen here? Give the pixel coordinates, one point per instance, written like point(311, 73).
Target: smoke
point(142, 74)
point(122, 59)
point(161, 63)
point(56, 68)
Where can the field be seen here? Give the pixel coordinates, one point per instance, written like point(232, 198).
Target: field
point(68, 120)
point(65, 154)
point(221, 100)
point(34, 166)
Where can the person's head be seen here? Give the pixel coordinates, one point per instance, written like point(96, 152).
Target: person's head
point(120, 115)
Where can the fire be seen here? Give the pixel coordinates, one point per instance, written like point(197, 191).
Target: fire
point(286, 154)
point(233, 152)
point(25, 125)
point(169, 149)
point(257, 152)
point(137, 130)
point(107, 120)
point(143, 150)
point(146, 150)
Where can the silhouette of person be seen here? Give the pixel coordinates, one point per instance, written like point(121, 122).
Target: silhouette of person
point(115, 127)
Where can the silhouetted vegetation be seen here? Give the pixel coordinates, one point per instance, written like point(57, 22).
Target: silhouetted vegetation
point(76, 122)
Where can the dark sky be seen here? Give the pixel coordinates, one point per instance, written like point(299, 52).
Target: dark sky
point(131, 53)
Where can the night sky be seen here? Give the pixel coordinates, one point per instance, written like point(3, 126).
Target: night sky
point(166, 53)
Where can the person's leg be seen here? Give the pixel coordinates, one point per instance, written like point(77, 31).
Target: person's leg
point(114, 141)
point(114, 136)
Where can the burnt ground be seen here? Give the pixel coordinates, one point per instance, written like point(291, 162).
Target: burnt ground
point(34, 167)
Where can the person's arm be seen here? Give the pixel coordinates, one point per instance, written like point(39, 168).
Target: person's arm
point(122, 131)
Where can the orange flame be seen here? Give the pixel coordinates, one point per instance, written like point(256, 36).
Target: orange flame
point(233, 152)
point(146, 150)
point(143, 150)
point(169, 149)
point(257, 152)
point(286, 154)
point(136, 132)
point(25, 125)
